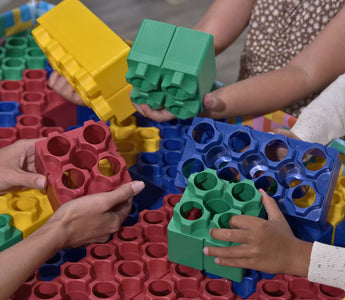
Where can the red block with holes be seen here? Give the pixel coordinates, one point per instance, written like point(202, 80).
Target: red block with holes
point(80, 162)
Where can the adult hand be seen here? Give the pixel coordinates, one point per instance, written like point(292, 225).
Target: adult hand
point(158, 115)
point(92, 218)
point(265, 245)
point(17, 166)
point(61, 86)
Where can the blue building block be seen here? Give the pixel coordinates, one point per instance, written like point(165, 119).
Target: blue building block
point(9, 111)
point(299, 175)
point(339, 235)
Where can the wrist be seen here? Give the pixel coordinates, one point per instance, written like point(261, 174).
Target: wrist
point(300, 258)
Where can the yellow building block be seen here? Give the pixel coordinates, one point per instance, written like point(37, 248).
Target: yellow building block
point(29, 209)
point(132, 140)
point(90, 55)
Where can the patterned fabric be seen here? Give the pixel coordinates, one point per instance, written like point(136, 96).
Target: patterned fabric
point(279, 30)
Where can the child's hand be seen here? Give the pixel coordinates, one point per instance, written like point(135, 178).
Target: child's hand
point(159, 115)
point(285, 132)
point(61, 86)
point(265, 245)
point(17, 166)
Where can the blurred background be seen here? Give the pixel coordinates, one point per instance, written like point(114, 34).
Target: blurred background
point(124, 18)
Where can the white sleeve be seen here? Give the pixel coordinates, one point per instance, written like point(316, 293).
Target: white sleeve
point(327, 265)
point(324, 118)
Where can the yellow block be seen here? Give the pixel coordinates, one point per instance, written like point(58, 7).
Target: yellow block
point(89, 54)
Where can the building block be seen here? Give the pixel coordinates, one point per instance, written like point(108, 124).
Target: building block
point(300, 176)
point(8, 135)
point(35, 58)
point(206, 203)
point(80, 162)
point(8, 234)
point(132, 140)
point(164, 74)
point(34, 80)
point(15, 46)
point(13, 67)
point(29, 209)
point(9, 111)
point(11, 90)
point(94, 62)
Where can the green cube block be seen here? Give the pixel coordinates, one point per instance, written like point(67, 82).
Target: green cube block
point(9, 235)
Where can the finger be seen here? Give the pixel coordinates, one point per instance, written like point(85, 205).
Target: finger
point(138, 108)
point(76, 99)
point(272, 208)
point(239, 251)
point(28, 180)
point(54, 76)
point(245, 222)
point(285, 132)
point(241, 262)
point(121, 194)
point(212, 103)
point(230, 235)
point(161, 115)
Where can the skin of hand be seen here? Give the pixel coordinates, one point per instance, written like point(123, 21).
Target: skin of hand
point(17, 161)
point(92, 218)
point(61, 86)
point(265, 245)
point(285, 132)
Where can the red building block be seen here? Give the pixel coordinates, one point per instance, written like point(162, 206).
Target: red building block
point(8, 135)
point(34, 80)
point(80, 162)
point(11, 90)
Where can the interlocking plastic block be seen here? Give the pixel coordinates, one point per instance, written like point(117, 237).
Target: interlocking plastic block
point(174, 71)
point(15, 46)
point(47, 290)
point(277, 119)
point(29, 209)
point(206, 203)
point(35, 58)
point(8, 135)
point(80, 162)
point(24, 291)
point(8, 234)
point(131, 139)
point(93, 61)
point(299, 175)
point(13, 67)
point(11, 90)
point(34, 80)
point(9, 111)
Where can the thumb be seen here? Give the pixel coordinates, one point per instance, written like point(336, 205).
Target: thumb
point(29, 180)
point(272, 208)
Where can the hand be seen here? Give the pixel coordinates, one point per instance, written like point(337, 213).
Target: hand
point(159, 115)
point(61, 86)
point(265, 245)
point(17, 167)
point(92, 218)
point(285, 132)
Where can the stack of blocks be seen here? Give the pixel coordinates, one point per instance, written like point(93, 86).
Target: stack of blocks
point(171, 67)
point(209, 202)
point(92, 57)
point(80, 162)
point(299, 175)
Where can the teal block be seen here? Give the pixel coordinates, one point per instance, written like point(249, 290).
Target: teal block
point(154, 98)
point(209, 202)
point(9, 235)
point(35, 58)
point(13, 67)
point(338, 144)
point(147, 54)
point(16, 46)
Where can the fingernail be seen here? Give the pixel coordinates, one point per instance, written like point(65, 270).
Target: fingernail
point(41, 183)
point(137, 186)
point(205, 250)
point(217, 260)
point(210, 101)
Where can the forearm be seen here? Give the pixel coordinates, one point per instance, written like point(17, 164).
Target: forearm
point(226, 20)
point(20, 261)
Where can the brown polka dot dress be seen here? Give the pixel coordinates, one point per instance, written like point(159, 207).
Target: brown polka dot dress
point(278, 30)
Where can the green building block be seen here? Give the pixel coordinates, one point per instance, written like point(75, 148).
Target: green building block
point(209, 202)
point(35, 58)
point(171, 67)
point(338, 144)
point(15, 46)
point(9, 235)
point(13, 67)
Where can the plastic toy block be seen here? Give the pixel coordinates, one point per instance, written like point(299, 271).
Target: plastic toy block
point(8, 234)
point(9, 111)
point(34, 80)
point(94, 62)
point(11, 90)
point(131, 139)
point(80, 162)
point(15, 46)
point(47, 290)
point(29, 126)
point(209, 202)
point(13, 67)
point(35, 58)
point(248, 284)
point(164, 74)
point(300, 176)
point(29, 209)
point(338, 144)
point(8, 135)
point(24, 291)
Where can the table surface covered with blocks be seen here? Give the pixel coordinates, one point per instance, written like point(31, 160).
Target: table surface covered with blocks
point(198, 172)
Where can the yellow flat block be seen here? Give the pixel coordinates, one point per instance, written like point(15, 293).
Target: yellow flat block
point(87, 52)
point(29, 209)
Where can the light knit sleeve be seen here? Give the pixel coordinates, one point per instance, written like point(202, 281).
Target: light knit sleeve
point(327, 265)
point(324, 118)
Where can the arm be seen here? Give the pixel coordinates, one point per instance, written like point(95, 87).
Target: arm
point(312, 69)
point(88, 219)
point(225, 20)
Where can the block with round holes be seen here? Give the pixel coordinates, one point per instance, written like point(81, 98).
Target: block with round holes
point(209, 202)
point(80, 162)
point(300, 176)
